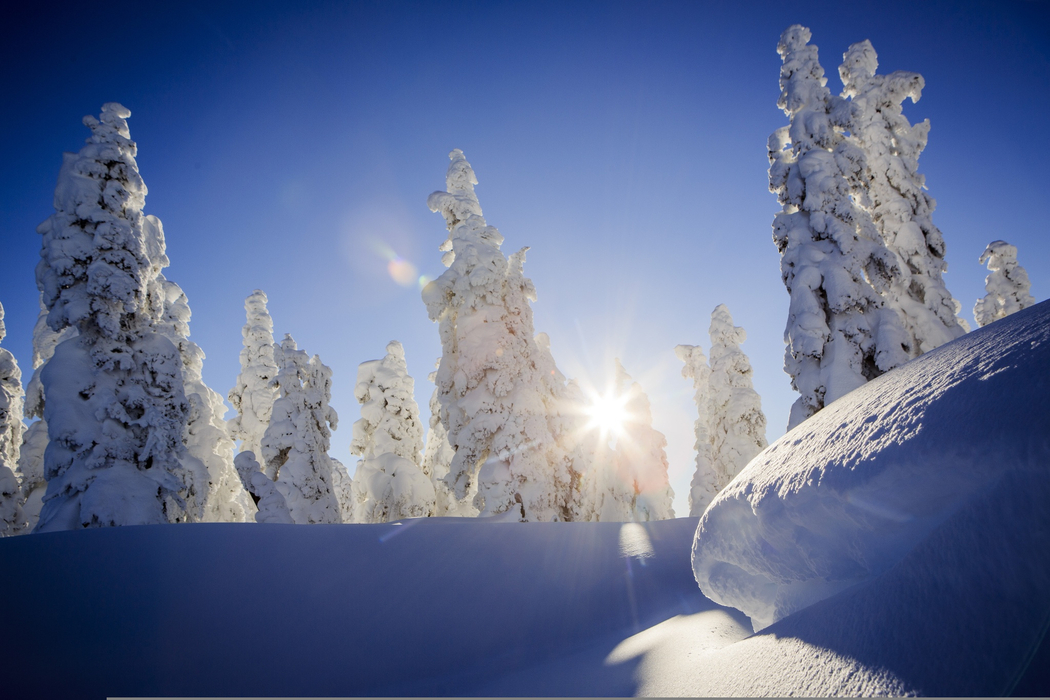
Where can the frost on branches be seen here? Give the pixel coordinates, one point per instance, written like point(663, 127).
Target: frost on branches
point(704, 485)
point(295, 445)
point(256, 391)
point(738, 426)
point(206, 437)
point(890, 188)
point(389, 484)
point(12, 519)
point(493, 404)
point(34, 442)
point(839, 333)
point(1007, 286)
point(115, 406)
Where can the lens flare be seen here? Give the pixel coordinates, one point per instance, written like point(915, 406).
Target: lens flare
point(608, 413)
point(402, 271)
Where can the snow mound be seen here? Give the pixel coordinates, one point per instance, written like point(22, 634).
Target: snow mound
point(853, 490)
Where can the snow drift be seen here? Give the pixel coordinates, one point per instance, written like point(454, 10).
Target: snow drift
point(857, 488)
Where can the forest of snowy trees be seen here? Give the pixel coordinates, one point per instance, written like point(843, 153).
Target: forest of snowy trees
point(125, 431)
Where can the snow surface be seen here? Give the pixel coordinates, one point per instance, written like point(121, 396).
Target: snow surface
point(876, 476)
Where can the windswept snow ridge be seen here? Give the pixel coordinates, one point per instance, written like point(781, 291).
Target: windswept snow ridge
point(850, 492)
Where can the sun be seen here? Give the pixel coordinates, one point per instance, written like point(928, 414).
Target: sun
point(607, 413)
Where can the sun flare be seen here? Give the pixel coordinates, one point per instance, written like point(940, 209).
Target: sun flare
point(608, 413)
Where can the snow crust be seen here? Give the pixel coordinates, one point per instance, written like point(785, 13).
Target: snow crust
point(848, 494)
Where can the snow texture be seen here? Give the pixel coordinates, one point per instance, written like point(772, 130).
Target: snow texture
point(839, 332)
point(12, 518)
point(853, 491)
point(253, 396)
point(1007, 286)
point(495, 406)
point(270, 504)
point(389, 483)
point(892, 190)
point(206, 436)
point(704, 485)
point(31, 459)
point(295, 445)
point(115, 406)
point(738, 426)
point(437, 457)
point(629, 482)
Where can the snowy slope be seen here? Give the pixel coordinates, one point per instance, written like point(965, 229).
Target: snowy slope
point(955, 600)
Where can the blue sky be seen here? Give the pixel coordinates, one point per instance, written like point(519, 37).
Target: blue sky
point(293, 150)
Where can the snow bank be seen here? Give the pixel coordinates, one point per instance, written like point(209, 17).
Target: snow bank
point(849, 493)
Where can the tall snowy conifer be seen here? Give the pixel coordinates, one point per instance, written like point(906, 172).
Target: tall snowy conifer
point(253, 396)
point(839, 334)
point(295, 445)
point(115, 405)
point(493, 404)
point(1007, 285)
point(12, 518)
point(389, 484)
point(34, 442)
point(206, 436)
point(891, 189)
point(738, 426)
point(704, 485)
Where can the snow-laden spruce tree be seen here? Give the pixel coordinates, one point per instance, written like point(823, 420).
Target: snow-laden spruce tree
point(892, 190)
point(389, 483)
point(115, 405)
point(1007, 285)
point(31, 458)
point(295, 444)
point(253, 396)
point(493, 405)
point(437, 457)
point(704, 485)
point(270, 504)
point(627, 482)
point(206, 436)
point(738, 426)
point(12, 519)
point(839, 333)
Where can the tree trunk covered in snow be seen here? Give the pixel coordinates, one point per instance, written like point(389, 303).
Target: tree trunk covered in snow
point(115, 405)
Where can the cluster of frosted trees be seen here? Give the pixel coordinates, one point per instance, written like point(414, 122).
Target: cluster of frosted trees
point(860, 256)
point(127, 432)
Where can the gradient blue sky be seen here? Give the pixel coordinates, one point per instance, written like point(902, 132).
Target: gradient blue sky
point(293, 150)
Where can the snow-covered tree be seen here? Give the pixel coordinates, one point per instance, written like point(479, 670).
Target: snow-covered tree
point(34, 441)
point(892, 190)
point(1007, 286)
point(704, 485)
point(628, 482)
point(253, 396)
point(206, 437)
point(295, 444)
point(12, 519)
point(839, 333)
point(115, 405)
point(493, 405)
point(437, 457)
point(389, 484)
point(738, 426)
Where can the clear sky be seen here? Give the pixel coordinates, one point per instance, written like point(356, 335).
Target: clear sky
point(293, 150)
